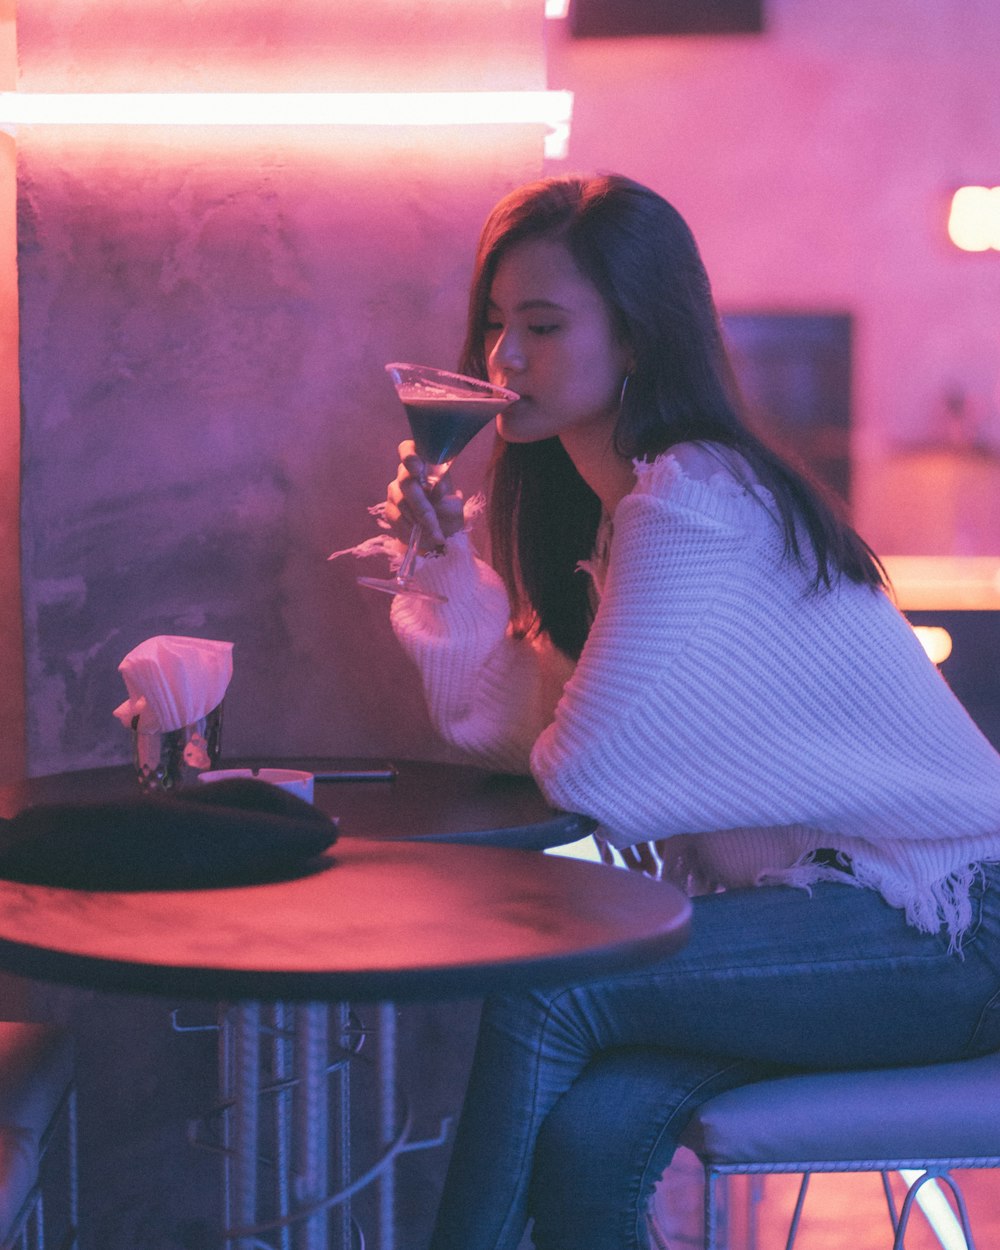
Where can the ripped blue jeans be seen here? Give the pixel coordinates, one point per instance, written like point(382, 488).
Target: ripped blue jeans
point(578, 1095)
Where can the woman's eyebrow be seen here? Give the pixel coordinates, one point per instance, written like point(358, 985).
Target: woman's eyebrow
point(529, 305)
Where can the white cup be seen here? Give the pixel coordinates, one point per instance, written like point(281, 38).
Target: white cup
point(290, 779)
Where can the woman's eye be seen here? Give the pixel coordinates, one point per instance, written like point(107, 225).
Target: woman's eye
point(493, 327)
point(544, 329)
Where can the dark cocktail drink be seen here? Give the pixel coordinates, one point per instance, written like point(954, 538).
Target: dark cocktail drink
point(445, 411)
point(443, 424)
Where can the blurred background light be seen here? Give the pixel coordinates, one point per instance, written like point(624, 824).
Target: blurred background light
point(974, 219)
point(935, 640)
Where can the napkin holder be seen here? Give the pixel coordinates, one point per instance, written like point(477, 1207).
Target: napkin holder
point(165, 760)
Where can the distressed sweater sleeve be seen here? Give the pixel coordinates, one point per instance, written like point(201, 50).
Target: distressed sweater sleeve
point(488, 693)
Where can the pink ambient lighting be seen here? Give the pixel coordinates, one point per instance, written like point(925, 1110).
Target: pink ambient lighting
point(974, 219)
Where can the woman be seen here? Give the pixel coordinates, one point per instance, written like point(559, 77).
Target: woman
point(684, 641)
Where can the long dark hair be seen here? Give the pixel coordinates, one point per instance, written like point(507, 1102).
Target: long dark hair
point(643, 260)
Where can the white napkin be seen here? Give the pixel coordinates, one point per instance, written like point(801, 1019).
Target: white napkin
point(173, 681)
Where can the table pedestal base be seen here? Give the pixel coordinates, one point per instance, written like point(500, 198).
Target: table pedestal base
point(284, 1126)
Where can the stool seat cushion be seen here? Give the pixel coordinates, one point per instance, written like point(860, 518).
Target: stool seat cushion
point(898, 1115)
point(36, 1071)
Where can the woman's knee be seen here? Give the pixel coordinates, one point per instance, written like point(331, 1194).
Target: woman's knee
point(601, 1150)
point(608, 1140)
point(549, 1020)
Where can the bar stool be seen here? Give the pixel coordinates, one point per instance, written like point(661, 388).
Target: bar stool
point(922, 1119)
point(37, 1126)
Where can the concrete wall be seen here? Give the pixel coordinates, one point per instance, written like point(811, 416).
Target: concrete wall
point(205, 314)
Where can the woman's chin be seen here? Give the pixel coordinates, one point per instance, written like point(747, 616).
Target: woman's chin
point(514, 430)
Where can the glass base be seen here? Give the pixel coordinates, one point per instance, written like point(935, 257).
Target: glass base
point(390, 586)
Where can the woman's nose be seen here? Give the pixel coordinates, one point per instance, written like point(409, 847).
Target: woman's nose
point(507, 356)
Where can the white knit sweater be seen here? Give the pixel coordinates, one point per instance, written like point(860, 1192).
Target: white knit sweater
point(722, 704)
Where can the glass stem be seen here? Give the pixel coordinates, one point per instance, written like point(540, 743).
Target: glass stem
point(409, 561)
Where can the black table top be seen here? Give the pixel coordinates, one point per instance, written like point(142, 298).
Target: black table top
point(431, 802)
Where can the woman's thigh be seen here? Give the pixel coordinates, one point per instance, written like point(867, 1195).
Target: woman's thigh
point(833, 977)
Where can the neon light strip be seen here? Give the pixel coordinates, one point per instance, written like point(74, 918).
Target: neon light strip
point(424, 108)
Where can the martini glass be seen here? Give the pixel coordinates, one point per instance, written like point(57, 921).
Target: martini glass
point(445, 410)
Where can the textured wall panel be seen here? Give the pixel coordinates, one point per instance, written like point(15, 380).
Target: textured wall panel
point(204, 318)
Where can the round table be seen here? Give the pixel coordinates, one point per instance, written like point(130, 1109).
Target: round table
point(378, 920)
point(382, 917)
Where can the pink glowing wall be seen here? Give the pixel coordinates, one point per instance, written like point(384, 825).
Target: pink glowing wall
point(204, 319)
point(815, 164)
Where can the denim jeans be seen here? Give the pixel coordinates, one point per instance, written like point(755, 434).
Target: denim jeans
point(578, 1095)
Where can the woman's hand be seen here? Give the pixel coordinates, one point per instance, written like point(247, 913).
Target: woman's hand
point(412, 500)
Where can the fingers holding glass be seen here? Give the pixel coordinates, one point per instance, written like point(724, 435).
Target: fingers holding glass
point(445, 410)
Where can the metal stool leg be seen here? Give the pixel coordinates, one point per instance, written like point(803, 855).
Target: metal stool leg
point(915, 1193)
